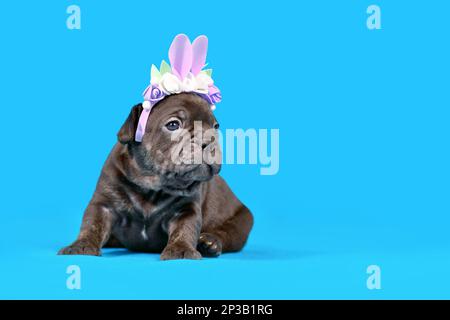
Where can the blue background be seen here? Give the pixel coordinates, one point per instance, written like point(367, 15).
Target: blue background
point(364, 155)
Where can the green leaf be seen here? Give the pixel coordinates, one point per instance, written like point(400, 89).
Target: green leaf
point(164, 67)
point(154, 73)
point(208, 72)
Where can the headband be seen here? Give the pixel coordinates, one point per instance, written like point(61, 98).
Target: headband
point(184, 74)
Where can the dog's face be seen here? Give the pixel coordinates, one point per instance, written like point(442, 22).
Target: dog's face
point(180, 144)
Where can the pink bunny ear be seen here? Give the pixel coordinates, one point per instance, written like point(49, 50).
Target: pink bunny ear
point(199, 50)
point(180, 56)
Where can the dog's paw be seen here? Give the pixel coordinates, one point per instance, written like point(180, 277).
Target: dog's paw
point(209, 245)
point(180, 251)
point(80, 248)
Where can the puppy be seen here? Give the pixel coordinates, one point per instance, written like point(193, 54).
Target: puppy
point(145, 201)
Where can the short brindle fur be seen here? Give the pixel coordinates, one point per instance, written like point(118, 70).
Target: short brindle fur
point(145, 202)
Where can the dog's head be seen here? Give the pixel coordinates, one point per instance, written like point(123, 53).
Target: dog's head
point(180, 144)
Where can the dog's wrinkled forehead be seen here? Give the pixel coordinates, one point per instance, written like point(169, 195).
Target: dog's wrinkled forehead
point(186, 106)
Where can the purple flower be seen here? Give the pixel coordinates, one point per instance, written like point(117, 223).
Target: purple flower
point(216, 97)
point(214, 94)
point(153, 94)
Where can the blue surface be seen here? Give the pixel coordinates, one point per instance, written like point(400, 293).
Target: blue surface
point(364, 145)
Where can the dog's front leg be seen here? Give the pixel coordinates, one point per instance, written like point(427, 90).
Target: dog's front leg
point(184, 231)
point(95, 231)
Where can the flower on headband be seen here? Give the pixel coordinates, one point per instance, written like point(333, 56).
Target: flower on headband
point(153, 94)
point(170, 84)
point(189, 83)
point(204, 82)
point(214, 94)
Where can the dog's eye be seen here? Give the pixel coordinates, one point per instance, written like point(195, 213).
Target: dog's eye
point(216, 126)
point(173, 125)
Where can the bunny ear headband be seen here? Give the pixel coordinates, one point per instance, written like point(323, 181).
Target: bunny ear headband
point(184, 74)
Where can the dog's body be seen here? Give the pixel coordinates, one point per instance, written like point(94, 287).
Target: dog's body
point(145, 202)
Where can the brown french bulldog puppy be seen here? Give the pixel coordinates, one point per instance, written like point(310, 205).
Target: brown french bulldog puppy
point(145, 201)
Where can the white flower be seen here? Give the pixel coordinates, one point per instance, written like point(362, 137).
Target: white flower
point(170, 84)
point(189, 83)
point(203, 82)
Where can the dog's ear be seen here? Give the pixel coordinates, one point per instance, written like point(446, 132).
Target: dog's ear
point(128, 130)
